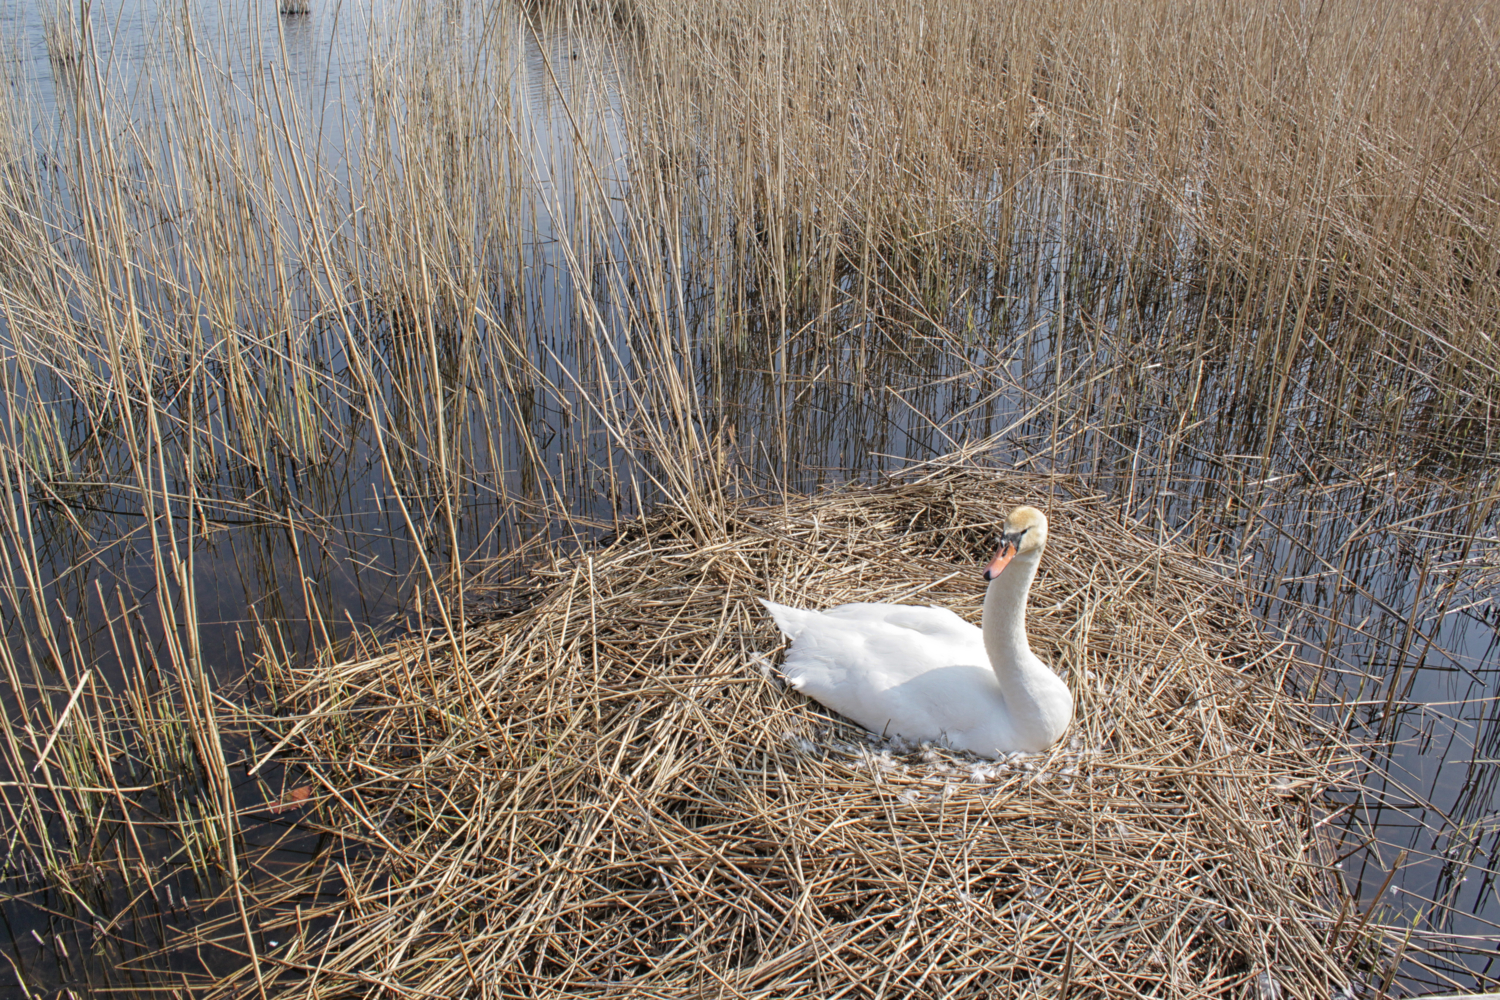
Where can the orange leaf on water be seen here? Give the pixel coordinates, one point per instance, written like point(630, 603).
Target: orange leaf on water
point(295, 798)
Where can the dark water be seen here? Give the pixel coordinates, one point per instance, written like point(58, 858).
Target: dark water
point(1371, 546)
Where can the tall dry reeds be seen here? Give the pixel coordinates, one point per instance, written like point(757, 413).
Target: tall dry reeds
point(1323, 174)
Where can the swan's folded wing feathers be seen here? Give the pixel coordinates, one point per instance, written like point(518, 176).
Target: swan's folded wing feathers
point(821, 659)
point(860, 650)
point(940, 623)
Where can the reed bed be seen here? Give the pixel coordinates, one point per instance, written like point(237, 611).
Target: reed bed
point(609, 792)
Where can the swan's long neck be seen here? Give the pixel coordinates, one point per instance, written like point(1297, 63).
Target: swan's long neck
point(1004, 620)
point(1036, 700)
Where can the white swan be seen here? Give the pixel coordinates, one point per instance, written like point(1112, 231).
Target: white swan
point(899, 669)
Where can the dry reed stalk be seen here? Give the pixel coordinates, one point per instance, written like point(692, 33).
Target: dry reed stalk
point(609, 793)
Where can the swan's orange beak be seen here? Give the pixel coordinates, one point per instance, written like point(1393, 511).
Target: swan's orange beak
point(1002, 559)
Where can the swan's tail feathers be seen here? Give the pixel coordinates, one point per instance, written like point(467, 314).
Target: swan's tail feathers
point(791, 621)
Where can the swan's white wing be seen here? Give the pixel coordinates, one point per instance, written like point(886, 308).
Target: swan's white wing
point(938, 624)
point(867, 661)
point(924, 632)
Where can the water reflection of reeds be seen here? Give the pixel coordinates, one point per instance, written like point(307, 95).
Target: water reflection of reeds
point(275, 371)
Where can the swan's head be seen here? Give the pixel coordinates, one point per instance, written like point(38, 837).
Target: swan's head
point(1024, 534)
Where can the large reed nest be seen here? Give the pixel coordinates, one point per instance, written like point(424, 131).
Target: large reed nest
point(609, 793)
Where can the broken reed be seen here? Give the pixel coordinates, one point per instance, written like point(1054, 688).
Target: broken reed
point(609, 790)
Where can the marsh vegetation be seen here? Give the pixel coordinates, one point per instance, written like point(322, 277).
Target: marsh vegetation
point(312, 321)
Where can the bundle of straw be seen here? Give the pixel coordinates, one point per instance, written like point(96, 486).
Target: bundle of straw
point(611, 793)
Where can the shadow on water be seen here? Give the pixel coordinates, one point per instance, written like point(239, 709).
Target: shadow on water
point(381, 449)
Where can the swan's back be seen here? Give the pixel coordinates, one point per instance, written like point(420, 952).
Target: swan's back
point(937, 623)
